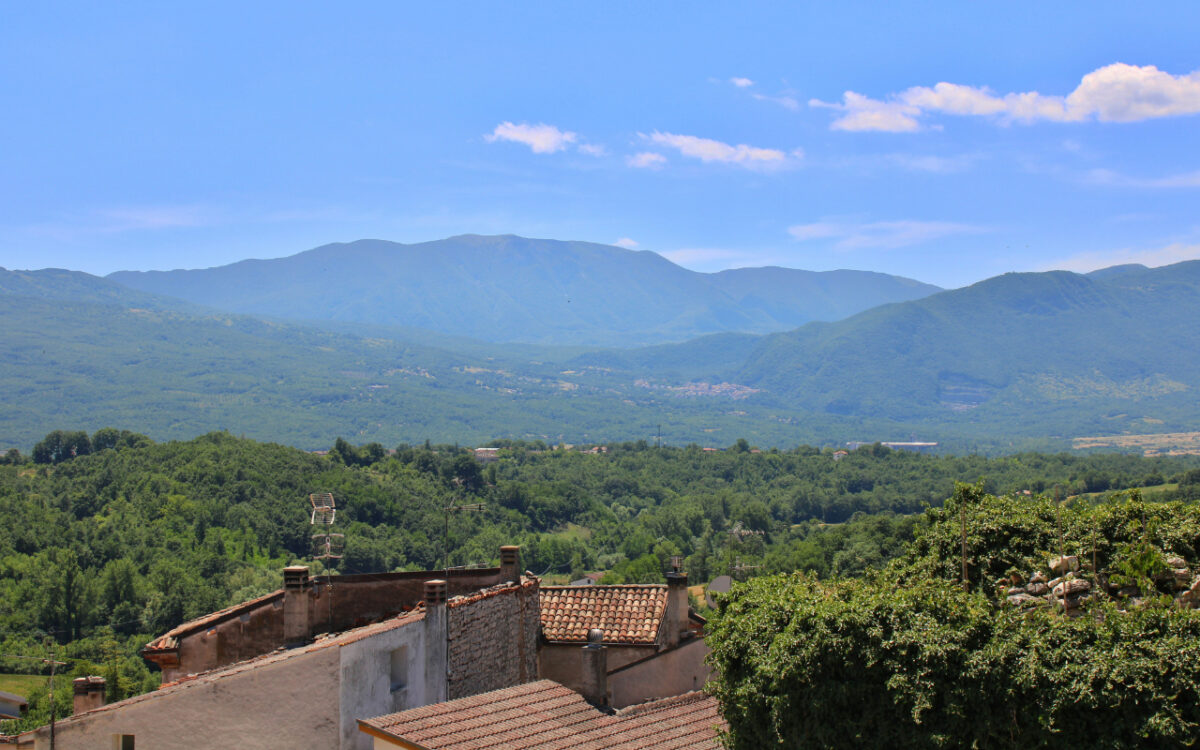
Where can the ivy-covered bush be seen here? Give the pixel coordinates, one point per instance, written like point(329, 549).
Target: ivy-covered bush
point(869, 663)
point(905, 658)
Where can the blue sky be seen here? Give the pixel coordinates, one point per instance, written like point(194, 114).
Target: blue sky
point(946, 142)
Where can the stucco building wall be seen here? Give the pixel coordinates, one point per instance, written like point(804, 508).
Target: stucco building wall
point(274, 705)
point(673, 672)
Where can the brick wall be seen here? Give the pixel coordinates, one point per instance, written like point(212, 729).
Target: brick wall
point(493, 637)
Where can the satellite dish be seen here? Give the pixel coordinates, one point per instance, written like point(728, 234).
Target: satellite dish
point(719, 585)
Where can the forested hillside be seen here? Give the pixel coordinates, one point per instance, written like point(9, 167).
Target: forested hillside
point(111, 538)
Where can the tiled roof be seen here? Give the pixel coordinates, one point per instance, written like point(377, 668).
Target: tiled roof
point(548, 716)
point(626, 614)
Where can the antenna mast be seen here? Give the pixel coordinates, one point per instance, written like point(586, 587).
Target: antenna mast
point(327, 545)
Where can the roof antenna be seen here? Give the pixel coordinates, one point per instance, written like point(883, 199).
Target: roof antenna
point(327, 546)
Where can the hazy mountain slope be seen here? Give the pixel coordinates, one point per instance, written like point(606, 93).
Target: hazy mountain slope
point(1014, 339)
point(172, 375)
point(510, 288)
point(788, 294)
point(60, 284)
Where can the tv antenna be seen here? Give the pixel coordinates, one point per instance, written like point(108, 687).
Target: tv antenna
point(738, 567)
point(326, 545)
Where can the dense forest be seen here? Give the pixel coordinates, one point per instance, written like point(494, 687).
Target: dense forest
point(111, 538)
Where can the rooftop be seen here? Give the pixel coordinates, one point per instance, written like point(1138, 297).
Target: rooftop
point(630, 614)
point(544, 714)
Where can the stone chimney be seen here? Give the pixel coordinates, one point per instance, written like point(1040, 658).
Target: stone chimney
point(89, 693)
point(510, 564)
point(593, 673)
point(297, 625)
point(436, 642)
point(676, 616)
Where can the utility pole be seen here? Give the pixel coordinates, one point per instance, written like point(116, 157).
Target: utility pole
point(466, 507)
point(50, 693)
point(962, 517)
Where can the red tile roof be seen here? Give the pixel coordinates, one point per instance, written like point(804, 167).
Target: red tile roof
point(548, 716)
point(627, 614)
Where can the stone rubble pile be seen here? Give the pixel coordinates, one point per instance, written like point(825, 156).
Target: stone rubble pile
point(1072, 586)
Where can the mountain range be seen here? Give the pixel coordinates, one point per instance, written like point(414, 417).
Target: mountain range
point(514, 289)
point(1022, 360)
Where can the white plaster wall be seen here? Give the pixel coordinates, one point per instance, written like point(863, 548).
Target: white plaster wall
point(366, 670)
point(292, 703)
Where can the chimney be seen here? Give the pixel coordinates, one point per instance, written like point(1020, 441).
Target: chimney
point(593, 678)
point(436, 642)
point(676, 616)
point(510, 564)
point(89, 693)
point(297, 628)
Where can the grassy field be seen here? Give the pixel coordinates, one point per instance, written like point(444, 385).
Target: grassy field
point(1163, 443)
point(21, 684)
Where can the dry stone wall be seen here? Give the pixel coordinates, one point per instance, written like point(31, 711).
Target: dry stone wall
point(492, 639)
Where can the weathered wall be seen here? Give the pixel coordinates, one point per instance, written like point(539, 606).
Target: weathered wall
point(352, 601)
point(674, 672)
point(292, 703)
point(493, 639)
point(362, 599)
point(242, 636)
point(562, 662)
point(381, 675)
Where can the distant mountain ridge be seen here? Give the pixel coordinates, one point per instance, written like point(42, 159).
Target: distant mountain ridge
point(508, 288)
point(1024, 345)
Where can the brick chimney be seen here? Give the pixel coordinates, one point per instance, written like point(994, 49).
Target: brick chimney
point(436, 642)
point(676, 616)
point(510, 564)
point(593, 673)
point(297, 626)
point(89, 693)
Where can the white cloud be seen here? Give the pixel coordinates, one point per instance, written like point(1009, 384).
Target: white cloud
point(592, 149)
point(787, 102)
point(879, 234)
point(541, 138)
point(646, 160)
point(151, 217)
point(709, 150)
point(1109, 177)
point(931, 163)
point(1091, 261)
point(863, 113)
point(741, 83)
point(1114, 93)
point(626, 243)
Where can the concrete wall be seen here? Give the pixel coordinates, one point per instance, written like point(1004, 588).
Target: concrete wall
point(362, 599)
point(493, 640)
point(674, 672)
point(242, 636)
point(562, 662)
point(292, 703)
point(381, 675)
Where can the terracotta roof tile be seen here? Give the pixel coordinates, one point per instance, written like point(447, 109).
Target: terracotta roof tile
point(545, 714)
point(626, 614)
